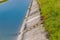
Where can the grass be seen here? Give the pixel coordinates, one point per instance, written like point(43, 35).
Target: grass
point(3, 1)
point(50, 10)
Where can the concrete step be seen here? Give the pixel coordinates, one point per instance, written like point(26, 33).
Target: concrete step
point(34, 10)
point(34, 15)
point(35, 34)
point(34, 7)
point(33, 21)
point(34, 2)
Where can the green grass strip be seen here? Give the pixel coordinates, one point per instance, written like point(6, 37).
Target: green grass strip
point(50, 9)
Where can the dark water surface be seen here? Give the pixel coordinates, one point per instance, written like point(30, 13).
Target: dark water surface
point(12, 14)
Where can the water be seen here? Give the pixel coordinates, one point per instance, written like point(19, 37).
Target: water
point(12, 14)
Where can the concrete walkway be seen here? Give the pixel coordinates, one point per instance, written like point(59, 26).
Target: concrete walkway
point(32, 29)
